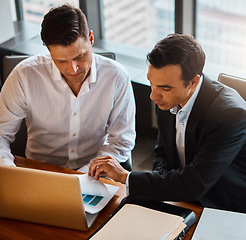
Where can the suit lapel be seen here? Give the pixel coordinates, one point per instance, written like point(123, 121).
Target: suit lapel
point(166, 123)
point(201, 104)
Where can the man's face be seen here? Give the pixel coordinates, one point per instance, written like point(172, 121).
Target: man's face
point(168, 88)
point(73, 61)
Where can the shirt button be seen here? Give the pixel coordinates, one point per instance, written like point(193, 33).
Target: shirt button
point(74, 134)
point(75, 114)
point(72, 150)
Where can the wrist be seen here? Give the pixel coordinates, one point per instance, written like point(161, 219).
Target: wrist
point(124, 177)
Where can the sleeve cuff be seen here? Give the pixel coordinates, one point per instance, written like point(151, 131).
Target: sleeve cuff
point(127, 184)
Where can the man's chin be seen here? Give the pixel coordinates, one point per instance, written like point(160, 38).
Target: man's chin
point(77, 75)
point(77, 78)
point(162, 107)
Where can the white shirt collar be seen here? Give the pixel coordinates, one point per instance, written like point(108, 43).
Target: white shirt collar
point(56, 72)
point(93, 76)
point(90, 79)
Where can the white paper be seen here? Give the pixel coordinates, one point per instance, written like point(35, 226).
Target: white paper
point(133, 222)
point(91, 186)
point(95, 190)
point(220, 225)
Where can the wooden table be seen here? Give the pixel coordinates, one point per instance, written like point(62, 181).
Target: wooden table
point(19, 230)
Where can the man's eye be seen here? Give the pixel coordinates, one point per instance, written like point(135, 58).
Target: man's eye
point(80, 56)
point(166, 89)
point(60, 61)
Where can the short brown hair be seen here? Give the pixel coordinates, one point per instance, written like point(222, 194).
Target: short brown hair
point(179, 49)
point(64, 25)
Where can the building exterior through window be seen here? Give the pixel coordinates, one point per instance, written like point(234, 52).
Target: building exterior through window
point(220, 27)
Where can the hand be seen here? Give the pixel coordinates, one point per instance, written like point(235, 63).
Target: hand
point(109, 167)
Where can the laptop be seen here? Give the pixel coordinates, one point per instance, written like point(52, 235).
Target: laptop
point(43, 197)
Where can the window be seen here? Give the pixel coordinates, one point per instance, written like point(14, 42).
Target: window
point(130, 22)
point(221, 31)
point(220, 26)
point(137, 23)
point(34, 10)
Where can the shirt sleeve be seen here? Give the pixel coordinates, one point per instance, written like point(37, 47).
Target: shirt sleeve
point(121, 124)
point(127, 184)
point(12, 112)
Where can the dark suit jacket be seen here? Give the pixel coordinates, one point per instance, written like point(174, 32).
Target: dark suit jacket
point(215, 152)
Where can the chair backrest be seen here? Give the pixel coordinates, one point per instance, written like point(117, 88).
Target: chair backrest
point(9, 62)
point(239, 84)
point(108, 55)
point(18, 147)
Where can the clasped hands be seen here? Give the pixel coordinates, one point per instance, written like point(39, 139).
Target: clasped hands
point(109, 167)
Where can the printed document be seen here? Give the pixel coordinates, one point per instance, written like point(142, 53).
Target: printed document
point(95, 194)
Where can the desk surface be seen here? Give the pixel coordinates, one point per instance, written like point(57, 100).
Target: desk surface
point(18, 230)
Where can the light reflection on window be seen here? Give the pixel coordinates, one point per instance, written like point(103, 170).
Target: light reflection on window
point(34, 10)
point(221, 31)
point(137, 23)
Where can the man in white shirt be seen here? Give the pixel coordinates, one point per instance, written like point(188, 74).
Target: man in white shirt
point(78, 106)
point(200, 153)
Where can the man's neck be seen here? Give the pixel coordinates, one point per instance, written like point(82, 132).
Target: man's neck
point(188, 98)
point(76, 86)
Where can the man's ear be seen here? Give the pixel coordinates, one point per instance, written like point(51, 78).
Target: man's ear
point(91, 37)
point(194, 82)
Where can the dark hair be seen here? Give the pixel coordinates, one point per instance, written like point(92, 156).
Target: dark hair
point(64, 25)
point(179, 49)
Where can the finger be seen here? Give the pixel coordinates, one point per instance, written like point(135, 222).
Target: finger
point(93, 167)
point(97, 163)
point(90, 172)
point(100, 171)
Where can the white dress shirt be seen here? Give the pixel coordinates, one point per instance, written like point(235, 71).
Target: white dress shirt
point(182, 116)
point(63, 129)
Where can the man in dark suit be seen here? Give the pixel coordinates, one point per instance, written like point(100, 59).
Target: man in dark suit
point(200, 155)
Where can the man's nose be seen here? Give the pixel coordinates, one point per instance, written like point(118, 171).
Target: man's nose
point(154, 95)
point(73, 67)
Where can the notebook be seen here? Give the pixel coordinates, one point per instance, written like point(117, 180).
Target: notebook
point(146, 220)
point(46, 197)
point(135, 222)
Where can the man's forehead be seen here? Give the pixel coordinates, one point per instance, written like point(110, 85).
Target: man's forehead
point(164, 75)
point(71, 51)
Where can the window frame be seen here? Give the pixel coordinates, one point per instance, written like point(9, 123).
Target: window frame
point(19, 10)
point(185, 18)
point(132, 56)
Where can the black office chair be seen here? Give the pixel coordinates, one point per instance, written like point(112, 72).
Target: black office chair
point(19, 145)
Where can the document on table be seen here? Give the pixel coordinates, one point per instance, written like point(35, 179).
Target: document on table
point(95, 194)
point(133, 222)
point(220, 225)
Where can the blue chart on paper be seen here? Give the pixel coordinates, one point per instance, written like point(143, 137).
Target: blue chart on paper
point(91, 199)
